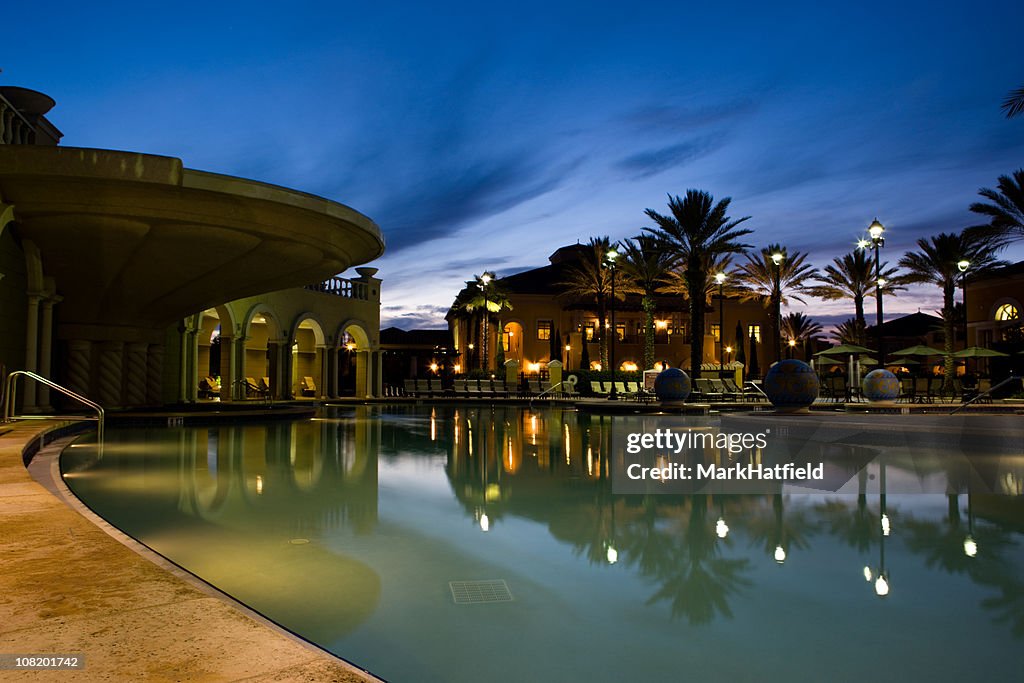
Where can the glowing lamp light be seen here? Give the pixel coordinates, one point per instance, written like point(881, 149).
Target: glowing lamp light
point(882, 281)
point(259, 486)
point(721, 528)
point(963, 265)
point(457, 368)
point(875, 229)
point(885, 525)
point(471, 347)
point(660, 324)
point(792, 342)
point(568, 348)
point(350, 346)
point(485, 523)
point(610, 256)
point(719, 278)
point(629, 366)
point(728, 349)
point(533, 367)
point(433, 367)
point(612, 555)
point(777, 258)
point(595, 365)
point(881, 586)
point(485, 278)
point(970, 546)
point(867, 574)
point(863, 244)
point(780, 554)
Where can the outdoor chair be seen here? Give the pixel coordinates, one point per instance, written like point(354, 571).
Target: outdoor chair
point(620, 389)
point(718, 386)
point(907, 390)
point(308, 386)
point(208, 387)
point(707, 391)
point(730, 385)
point(409, 387)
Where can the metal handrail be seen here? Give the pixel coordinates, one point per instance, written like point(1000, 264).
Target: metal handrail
point(984, 393)
point(11, 386)
point(546, 391)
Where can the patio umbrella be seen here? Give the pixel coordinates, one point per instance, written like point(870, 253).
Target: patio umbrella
point(843, 349)
point(919, 350)
point(904, 361)
point(979, 352)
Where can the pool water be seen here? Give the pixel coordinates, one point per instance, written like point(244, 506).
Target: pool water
point(350, 530)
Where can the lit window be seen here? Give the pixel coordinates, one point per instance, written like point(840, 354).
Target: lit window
point(755, 332)
point(544, 329)
point(1007, 312)
point(620, 331)
point(716, 332)
point(589, 331)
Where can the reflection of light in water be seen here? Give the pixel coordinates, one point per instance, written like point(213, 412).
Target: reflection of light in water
point(721, 528)
point(885, 524)
point(485, 522)
point(533, 430)
point(780, 554)
point(867, 574)
point(590, 462)
point(433, 425)
point(259, 485)
point(568, 450)
point(612, 554)
point(970, 546)
point(881, 586)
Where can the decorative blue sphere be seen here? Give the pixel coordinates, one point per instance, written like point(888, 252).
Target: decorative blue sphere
point(881, 385)
point(672, 385)
point(791, 385)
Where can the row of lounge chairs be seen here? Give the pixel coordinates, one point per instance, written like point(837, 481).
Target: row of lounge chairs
point(912, 390)
point(485, 388)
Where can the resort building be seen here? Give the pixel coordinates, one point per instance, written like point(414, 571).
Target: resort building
point(995, 304)
point(135, 281)
point(544, 315)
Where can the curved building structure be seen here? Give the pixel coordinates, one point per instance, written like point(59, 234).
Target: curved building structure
point(121, 253)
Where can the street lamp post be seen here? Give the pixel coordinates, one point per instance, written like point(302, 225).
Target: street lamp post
point(777, 259)
point(610, 257)
point(876, 230)
point(962, 265)
point(720, 279)
point(485, 279)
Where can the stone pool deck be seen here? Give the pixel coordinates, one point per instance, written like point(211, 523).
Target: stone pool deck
point(68, 586)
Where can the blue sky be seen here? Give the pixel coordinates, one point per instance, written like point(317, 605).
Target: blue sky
point(485, 136)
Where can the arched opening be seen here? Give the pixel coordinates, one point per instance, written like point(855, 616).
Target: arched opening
point(308, 358)
point(512, 341)
point(261, 356)
point(354, 372)
point(208, 358)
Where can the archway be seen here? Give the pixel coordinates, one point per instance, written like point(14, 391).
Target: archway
point(356, 367)
point(262, 355)
point(512, 341)
point(308, 358)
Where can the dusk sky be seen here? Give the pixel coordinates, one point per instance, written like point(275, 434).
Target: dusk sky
point(485, 137)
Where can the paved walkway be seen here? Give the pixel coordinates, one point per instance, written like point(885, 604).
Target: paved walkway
point(67, 586)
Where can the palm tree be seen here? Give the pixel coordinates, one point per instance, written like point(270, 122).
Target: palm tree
point(849, 332)
point(483, 289)
point(773, 285)
point(646, 267)
point(799, 328)
point(935, 262)
point(1014, 103)
point(697, 231)
point(1006, 210)
point(852, 276)
point(589, 280)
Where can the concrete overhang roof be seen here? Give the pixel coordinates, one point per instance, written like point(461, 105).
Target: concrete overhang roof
point(139, 240)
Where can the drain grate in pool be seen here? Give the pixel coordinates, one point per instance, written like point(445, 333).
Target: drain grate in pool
point(470, 592)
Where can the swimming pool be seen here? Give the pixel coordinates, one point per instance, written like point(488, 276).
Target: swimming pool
point(468, 543)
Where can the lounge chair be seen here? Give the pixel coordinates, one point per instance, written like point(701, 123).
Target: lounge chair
point(707, 391)
point(308, 387)
point(252, 387)
point(597, 389)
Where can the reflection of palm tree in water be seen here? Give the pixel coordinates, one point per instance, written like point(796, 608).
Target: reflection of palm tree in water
point(857, 529)
point(942, 545)
point(685, 561)
point(785, 529)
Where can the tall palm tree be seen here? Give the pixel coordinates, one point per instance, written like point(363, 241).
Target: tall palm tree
point(1006, 210)
point(589, 280)
point(483, 298)
point(646, 267)
point(774, 285)
point(799, 328)
point(849, 332)
point(697, 231)
point(935, 262)
point(1014, 103)
point(852, 276)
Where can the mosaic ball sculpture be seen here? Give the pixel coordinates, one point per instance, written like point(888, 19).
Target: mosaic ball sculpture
point(881, 385)
point(672, 385)
point(791, 384)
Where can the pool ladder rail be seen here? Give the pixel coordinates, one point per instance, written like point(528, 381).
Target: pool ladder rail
point(10, 398)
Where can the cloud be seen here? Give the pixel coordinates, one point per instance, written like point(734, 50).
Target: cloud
point(685, 118)
point(416, 317)
point(651, 162)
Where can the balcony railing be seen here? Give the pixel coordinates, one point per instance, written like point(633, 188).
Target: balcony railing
point(343, 287)
point(14, 128)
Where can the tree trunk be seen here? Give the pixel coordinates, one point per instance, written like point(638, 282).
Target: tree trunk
point(948, 325)
point(648, 304)
point(858, 303)
point(602, 337)
point(776, 328)
point(695, 286)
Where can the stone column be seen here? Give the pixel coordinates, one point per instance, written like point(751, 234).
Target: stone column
point(274, 369)
point(110, 374)
point(46, 350)
point(193, 369)
point(155, 374)
point(322, 353)
point(183, 358)
point(136, 373)
point(227, 367)
point(332, 372)
point(80, 367)
point(378, 373)
point(32, 349)
point(363, 373)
